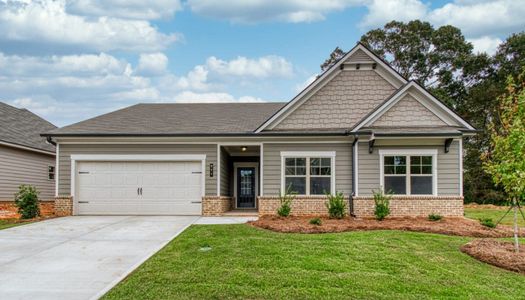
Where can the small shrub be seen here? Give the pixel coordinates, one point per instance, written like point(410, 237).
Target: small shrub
point(382, 204)
point(26, 199)
point(316, 221)
point(336, 205)
point(286, 202)
point(487, 222)
point(435, 217)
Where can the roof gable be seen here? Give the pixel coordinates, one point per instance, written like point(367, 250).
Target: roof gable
point(353, 59)
point(20, 127)
point(408, 112)
point(426, 106)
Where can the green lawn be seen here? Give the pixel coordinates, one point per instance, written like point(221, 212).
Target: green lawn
point(8, 223)
point(256, 264)
point(495, 214)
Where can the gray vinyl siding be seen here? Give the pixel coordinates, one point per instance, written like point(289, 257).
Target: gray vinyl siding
point(447, 168)
point(25, 167)
point(66, 150)
point(272, 164)
point(225, 174)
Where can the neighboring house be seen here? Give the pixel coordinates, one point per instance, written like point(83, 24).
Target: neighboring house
point(25, 156)
point(358, 127)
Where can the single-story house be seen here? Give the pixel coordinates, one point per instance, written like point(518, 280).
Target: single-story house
point(25, 156)
point(359, 127)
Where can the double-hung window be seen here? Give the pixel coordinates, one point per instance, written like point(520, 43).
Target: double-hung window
point(308, 173)
point(409, 172)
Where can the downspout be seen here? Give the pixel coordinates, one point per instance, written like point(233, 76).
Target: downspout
point(356, 138)
point(50, 140)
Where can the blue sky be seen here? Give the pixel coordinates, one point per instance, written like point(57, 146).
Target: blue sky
point(71, 60)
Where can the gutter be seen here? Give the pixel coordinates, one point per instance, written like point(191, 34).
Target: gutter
point(49, 139)
point(249, 134)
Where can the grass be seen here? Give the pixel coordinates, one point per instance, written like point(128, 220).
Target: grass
point(8, 223)
point(494, 214)
point(246, 262)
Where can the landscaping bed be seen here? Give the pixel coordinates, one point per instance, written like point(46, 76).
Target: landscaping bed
point(497, 253)
point(450, 226)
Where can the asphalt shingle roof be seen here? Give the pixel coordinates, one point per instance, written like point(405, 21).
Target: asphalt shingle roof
point(22, 127)
point(176, 118)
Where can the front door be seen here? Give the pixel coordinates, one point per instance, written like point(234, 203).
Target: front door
point(246, 187)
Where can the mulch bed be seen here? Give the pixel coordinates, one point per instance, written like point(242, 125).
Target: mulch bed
point(498, 253)
point(449, 226)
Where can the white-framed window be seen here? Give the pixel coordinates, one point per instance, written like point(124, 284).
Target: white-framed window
point(308, 173)
point(51, 172)
point(408, 171)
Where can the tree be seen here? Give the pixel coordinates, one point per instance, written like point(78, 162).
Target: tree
point(336, 54)
point(505, 162)
point(433, 57)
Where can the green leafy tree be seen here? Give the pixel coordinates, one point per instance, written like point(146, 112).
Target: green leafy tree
point(336, 54)
point(505, 162)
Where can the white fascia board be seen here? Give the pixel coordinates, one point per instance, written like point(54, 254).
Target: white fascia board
point(307, 153)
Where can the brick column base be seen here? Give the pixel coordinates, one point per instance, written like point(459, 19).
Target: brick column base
point(63, 206)
point(413, 206)
point(301, 205)
point(215, 205)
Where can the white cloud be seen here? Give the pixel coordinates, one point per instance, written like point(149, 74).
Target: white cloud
point(46, 22)
point(132, 9)
point(263, 67)
point(307, 82)
point(253, 11)
point(192, 97)
point(476, 19)
point(383, 11)
point(486, 44)
point(152, 64)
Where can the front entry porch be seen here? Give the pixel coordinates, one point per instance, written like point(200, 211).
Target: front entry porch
point(238, 179)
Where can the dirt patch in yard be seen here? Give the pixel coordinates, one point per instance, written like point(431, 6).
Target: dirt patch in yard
point(497, 253)
point(450, 226)
point(486, 206)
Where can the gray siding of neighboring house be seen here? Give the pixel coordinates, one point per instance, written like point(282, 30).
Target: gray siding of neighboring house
point(225, 174)
point(19, 166)
point(447, 168)
point(66, 150)
point(272, 164)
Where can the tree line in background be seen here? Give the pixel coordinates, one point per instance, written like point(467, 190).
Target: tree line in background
point(472, 83)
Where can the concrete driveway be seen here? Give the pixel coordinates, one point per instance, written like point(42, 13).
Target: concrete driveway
point(79, 257)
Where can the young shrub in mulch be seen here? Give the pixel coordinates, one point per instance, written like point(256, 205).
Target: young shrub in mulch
point(382, 204)
point(286, 202)
point(487, 222)
point(316, 221)
point(497, 253)
point(26, 199)
point(336, 205)
point(435, 217)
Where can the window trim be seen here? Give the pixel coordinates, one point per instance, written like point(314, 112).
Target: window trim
point(49, 172)
point(408, 153)
point(307, 155)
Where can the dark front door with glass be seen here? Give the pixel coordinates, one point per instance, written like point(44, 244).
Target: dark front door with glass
point(246, 187)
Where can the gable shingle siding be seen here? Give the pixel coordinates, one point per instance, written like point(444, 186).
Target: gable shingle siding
point(342, 102)
point(408, 112)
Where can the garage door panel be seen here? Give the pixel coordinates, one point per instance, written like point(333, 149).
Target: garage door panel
point(168, 188)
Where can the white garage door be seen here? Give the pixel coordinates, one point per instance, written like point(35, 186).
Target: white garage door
point(139, 188)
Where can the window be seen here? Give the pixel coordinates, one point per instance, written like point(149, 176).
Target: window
point(308, 175)
point(408, 174)
point(51, 172)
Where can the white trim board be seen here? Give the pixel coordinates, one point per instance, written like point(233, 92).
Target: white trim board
point(410, 152)
point(26, 148)
point(322, 80)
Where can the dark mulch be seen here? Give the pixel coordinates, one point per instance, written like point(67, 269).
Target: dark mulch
point(449, 226)
point(498, 253)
